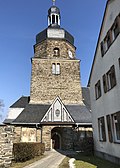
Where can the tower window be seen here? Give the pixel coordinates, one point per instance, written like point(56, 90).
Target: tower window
point(53, 19)
point(56, 52)
point(56, 69)
point(57, 18)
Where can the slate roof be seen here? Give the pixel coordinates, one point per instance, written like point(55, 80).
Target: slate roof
point(32, 114)
point(21, 102)
point(86, 97)
point(8, 121)
point(80, 113)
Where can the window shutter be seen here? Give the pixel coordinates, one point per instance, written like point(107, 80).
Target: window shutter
point(108, 38)
point(118, 25)
point(118, 125)
point(104, 83)
point(118, 117)
point(103, 129)
point(102, 48)
point(113, 77)
point(109, 128)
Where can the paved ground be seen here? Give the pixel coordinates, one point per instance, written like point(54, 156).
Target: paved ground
point(52, 160)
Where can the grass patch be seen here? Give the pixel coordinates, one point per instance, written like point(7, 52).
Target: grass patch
point(83, 161)
point(65, 163)
point(26, 163)
point(92, 162)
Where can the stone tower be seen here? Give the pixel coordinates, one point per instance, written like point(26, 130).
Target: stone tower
point(55, 69)
point(55, 111)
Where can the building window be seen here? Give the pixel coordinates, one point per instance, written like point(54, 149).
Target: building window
point(104, 83)
point(98, 90)
point(119, 62)
point(109, 127)
point(109, 79)
point(108, 39)
point(116, 126)
point(56, 69)
point(116, 28)
point(101, 127)
point(102, 48)
point(56, 52)
point(53, 19)
point(112, 34)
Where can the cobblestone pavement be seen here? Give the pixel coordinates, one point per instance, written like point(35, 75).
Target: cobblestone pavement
point(52, 160)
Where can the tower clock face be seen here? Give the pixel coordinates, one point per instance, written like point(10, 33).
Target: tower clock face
point(70, 54)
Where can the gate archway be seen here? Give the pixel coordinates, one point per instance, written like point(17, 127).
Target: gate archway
point(56, 138)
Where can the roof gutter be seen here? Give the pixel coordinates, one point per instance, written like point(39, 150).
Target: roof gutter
point(83, 124)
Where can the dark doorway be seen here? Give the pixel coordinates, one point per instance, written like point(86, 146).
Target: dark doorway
point(56, 141)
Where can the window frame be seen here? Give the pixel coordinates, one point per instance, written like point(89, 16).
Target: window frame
point(56, 52)
point(111, 36)
point(109, 79)
point(98, 92)
point(56, 68)
point(114, 126)
point(101, 129)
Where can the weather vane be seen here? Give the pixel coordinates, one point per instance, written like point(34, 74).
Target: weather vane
point(53, 2)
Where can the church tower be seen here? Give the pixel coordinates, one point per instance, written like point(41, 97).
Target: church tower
point(55, 112)
point(55, 69)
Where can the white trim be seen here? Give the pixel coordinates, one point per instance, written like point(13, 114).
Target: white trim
point(83, 123)
point(24, 123)
point(70, 119)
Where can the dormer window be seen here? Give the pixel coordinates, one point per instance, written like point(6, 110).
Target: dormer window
point(56, 52)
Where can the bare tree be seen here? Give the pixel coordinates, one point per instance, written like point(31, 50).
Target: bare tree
point(1, 108)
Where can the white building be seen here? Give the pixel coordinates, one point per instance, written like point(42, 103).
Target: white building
point(104, 83)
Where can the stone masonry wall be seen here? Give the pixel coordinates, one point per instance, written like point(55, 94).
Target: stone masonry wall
point(45, 49)
point(6, 145)
point(66, 133)
point(45, 86)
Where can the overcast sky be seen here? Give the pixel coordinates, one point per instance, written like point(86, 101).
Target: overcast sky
point(22, 20)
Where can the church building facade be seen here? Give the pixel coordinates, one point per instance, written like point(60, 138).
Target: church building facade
point(57, 112)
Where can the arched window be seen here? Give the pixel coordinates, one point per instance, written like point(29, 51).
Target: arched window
point(56, 69)
point(57, 19)
point(56, 52)
point(53, 19)
point(53, 68)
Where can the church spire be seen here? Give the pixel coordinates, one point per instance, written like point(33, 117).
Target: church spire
point(54, 16)
point(53, 2)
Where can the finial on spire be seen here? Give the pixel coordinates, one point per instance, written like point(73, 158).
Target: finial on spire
point(53, 2)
